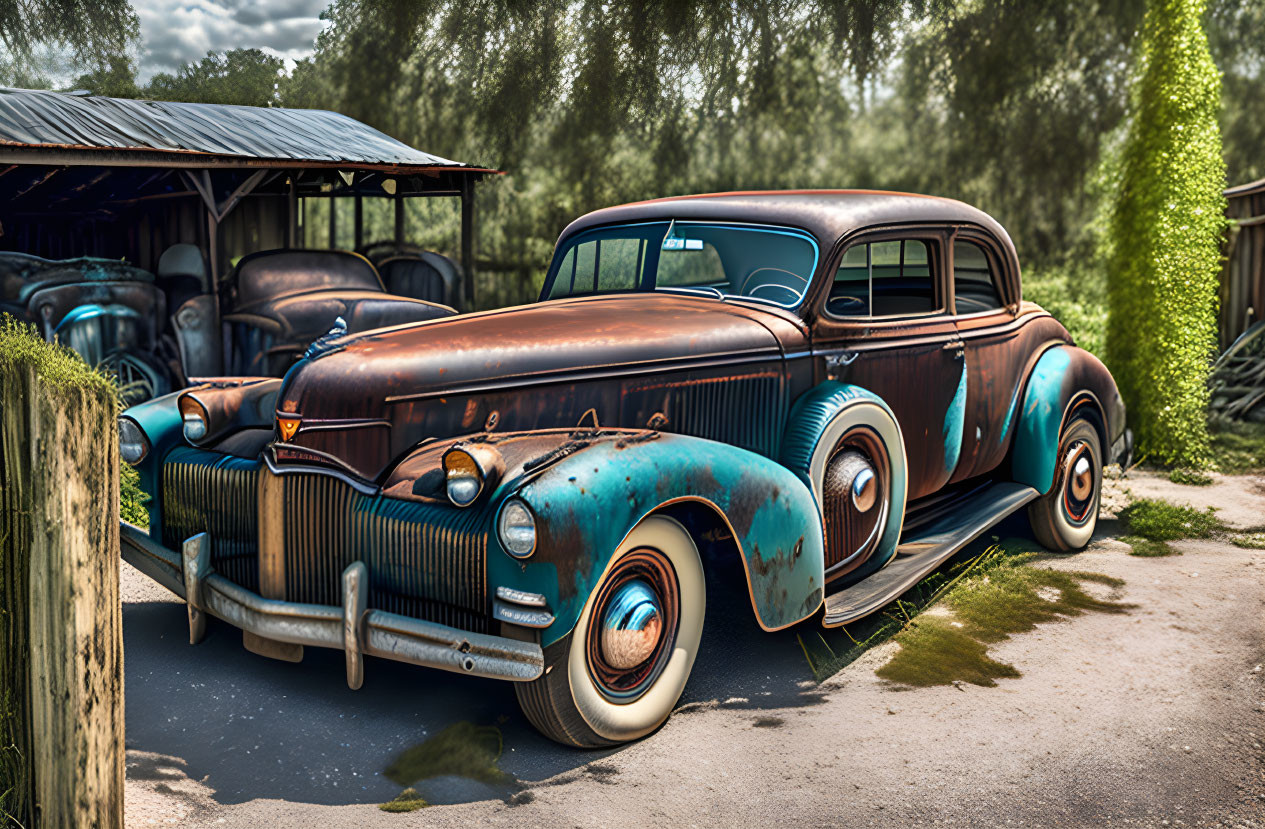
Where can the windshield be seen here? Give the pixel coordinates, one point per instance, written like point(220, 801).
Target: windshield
point(772, 265)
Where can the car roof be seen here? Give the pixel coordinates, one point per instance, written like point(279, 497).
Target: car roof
point(827, 214)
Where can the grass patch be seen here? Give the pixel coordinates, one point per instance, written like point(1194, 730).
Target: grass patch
point(406, 801)
point(1002, 597)
point(935, 652)
point(462, 749)
point(1189, 477)
point(1158, 520)
point(1249, 541)
point(1238, 447)
point(1148, 548)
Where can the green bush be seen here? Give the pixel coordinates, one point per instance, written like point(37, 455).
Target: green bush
point(1166, 233)
point(1072, 303)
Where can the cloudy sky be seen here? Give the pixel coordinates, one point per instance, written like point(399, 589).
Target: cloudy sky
point(175, 32)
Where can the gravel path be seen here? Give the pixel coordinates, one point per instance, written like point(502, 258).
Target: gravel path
point(1154, 718)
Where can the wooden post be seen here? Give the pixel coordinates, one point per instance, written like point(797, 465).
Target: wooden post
point(467, 242)
point(63, 642)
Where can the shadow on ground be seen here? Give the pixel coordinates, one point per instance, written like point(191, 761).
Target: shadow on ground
point(249, 727)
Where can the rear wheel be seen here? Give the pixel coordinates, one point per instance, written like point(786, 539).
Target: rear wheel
point(1064, 519)
point(620, 671)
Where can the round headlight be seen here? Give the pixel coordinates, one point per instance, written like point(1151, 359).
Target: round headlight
point(465, 479)
point(517, 529)
point(133, 445)
point(471, 469)
point(195, 418)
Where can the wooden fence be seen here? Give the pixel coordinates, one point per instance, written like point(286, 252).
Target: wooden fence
point(61, 680)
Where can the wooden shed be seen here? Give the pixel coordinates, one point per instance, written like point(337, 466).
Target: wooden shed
point(1243, 277)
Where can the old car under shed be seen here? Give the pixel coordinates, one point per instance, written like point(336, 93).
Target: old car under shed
point(87, 179)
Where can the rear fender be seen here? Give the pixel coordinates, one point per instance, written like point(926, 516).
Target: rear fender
point(588, 502)
point(1066, 382)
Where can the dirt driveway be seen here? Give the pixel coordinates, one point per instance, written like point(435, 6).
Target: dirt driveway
point(1152, 718)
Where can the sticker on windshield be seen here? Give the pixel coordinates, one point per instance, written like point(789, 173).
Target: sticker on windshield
point(678, 243)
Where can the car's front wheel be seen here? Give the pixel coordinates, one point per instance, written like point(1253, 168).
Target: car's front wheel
point(620, 671)
point(1064, 518)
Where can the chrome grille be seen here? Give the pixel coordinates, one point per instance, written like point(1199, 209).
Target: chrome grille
point(424, 561)
point(215, 494)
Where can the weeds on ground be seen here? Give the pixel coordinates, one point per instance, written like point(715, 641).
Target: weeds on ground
point(1151, 523)
point(462, 749)
point(1249, 541)
point(406, 801)
point(1004, 596)
point(989, 597)
point(1189, 477)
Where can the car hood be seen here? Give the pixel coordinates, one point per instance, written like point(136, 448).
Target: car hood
point(363, 376)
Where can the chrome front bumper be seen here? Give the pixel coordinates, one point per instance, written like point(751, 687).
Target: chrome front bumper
point(353, 628)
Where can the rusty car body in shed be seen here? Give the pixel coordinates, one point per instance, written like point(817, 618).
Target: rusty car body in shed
point(833, 390)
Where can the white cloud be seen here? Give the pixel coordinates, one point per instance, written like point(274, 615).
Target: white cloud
point(176, 32)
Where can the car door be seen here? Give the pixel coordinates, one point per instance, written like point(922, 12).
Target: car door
point(884, 325)
point(998, 342)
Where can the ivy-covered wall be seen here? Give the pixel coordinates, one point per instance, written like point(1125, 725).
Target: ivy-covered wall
point(1166, 233)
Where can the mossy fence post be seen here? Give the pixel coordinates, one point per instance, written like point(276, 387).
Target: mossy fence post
point(61, 681)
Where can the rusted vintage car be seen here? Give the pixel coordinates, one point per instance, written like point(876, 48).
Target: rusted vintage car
point(833, 392)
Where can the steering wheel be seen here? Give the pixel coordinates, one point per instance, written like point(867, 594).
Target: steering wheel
point(775, 285)
point(846, 306)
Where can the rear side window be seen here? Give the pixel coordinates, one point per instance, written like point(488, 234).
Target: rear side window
point(882, 279)
point(974, 281)
point(601, 265)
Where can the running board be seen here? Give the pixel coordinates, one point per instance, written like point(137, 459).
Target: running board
point(927, 549)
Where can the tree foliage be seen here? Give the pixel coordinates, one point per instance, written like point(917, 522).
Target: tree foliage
point(1166, 232)
point(88, 28)
point(236, 76)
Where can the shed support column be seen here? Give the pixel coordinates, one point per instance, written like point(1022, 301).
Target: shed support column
point(360, 223)
point(399, 222)
point(293, 235)
point(467, 242)
point(333, 223)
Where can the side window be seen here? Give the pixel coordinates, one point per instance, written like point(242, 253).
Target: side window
point(974, 282)
point(600, 265)
point(882, 279)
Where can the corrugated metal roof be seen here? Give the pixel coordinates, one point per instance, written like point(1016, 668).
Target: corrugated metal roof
point(52, 120)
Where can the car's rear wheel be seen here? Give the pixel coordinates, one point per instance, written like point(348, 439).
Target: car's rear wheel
point(1064, 518)
point(620, 671)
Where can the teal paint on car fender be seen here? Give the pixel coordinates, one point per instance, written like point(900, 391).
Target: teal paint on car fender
point(162, 424)
point(811, 416)
point(1041, 419)
point(586, 503)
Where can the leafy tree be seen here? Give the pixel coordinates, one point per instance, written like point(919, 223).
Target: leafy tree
point(114, 78)
point(1167, 228)
point(237, 76)
point(89, 28)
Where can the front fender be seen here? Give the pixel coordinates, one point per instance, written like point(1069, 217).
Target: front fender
point(160, 420)
point(588, 502)
point(1064, 379)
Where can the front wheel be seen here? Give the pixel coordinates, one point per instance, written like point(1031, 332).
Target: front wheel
point(1064, 518)
point(620, 671)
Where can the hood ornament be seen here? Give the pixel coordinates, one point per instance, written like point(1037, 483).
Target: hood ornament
point(322, 343)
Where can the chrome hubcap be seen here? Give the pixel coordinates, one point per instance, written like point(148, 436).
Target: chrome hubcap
point(1078, 476)
point(632, 626)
